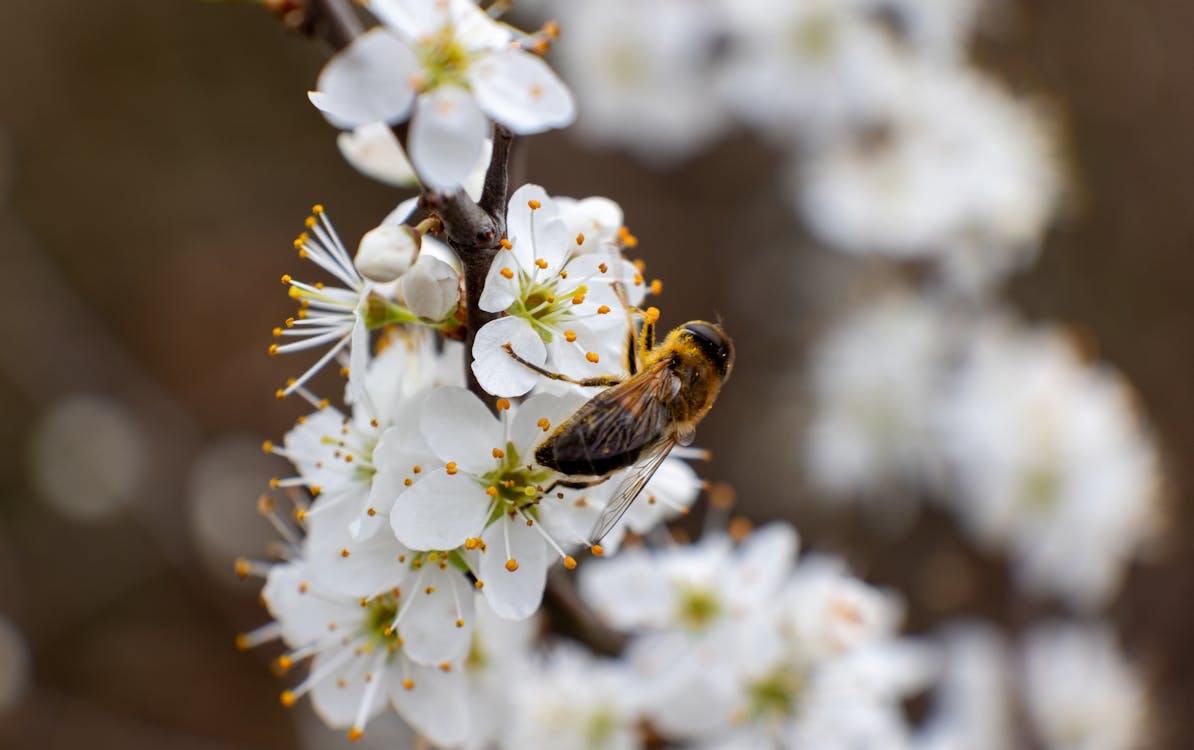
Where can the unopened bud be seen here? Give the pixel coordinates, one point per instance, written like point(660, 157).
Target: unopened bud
point(386, 252)
point(431, 288)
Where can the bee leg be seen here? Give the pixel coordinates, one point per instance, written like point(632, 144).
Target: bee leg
point(599, 380)
point(574, 484)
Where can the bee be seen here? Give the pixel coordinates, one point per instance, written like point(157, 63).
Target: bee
point(637, 420)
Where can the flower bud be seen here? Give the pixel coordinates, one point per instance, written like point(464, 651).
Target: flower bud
point(431, 288)
point(386, 252)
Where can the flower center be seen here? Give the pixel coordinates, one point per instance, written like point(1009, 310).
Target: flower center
point(599, 730)
point(544, 304)
point(445, 61)
point(514, 486)
point(698, 607)
point(815, 38)
point(775, 694)
point(377, 625)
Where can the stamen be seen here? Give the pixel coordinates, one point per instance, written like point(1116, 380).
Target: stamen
point(254, 638)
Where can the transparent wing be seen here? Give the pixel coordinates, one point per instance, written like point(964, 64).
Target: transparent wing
point(632, 483)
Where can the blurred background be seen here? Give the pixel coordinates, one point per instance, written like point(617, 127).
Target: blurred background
point(156, 160)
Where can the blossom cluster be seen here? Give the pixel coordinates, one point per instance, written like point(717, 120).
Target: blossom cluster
point(413, 570)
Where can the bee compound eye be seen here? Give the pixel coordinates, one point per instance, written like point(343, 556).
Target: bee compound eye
point(713, 341)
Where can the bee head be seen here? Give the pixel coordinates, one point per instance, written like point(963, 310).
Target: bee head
point(713, 343)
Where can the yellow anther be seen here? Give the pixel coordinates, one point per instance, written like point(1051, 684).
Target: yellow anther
point(279, 394)
point(529, 492)
point(540, 263)
point(502, 404)
point(570, 336)
point(371, 512)
point(479, 585)
point(309, 222)
point(343, 372)
point(277, 332)
point(407, 482)
point(592, 357)
point(739, 528)
point(273, 349)
point(316, 489)
point(656, 286)
point(570, 562)
point(429, 590)
point(535, 205)
point(289, 322)
point(243, 568)
point(628, 239)
point(408, 684)
point(499, 453)
point(268, 446)
point(598, 550)
point(603, 310)
point(505, 243)
point(416, 469)
point(288, 699)
point(552, 29)
point(242, 642)
point(640, 265)
point(286, 278)
point(303, 587)
point(344, 553)
point(451, 467)
point(511, 565)
point(355, 734)
point(459, 623)
point(317, 209)
point(506, 273)
point(651, 314)
point(580, 239)
point(445, 666)
point(603, 268)
point(265, 505)
point(578, 299)
point(543, 424)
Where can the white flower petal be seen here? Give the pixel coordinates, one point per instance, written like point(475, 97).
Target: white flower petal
point(337, 697)
point(374, 151)
point(440, 512)
point(350, 566)
point(435, 705)
point(520, 91)
point(537, 233)
point(459, 428)
point(500, 292)
point(514, 595)
point(413, 19)
point(303, 616)
point(368, 81)
point(429, 630)
point(447, 136)
point(498, 372)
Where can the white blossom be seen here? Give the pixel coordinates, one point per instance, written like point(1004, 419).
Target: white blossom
point(562, 310)
point(642, 73)
point(1050, 459)
point(449, 68)
point(959, 172)
point(355, 665)
point(1081, 692)
point(875, 379)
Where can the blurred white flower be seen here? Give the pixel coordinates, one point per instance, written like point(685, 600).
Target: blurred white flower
point(1050, 459)
point(972, 703)
point(1081, 692)
point(806, 70)
point(875, 379)
point(643, 74)
point(499, 656)
point(16, 666)
point(88, 456)
point(936, 29)
point(562, 310)
point(449, 68)
point(961, 173)
point(572, 701)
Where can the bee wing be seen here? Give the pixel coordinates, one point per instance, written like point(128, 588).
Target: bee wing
point(632, 483)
